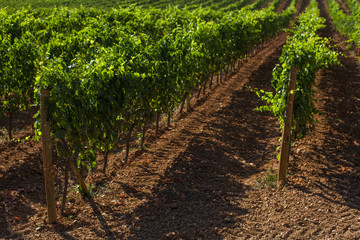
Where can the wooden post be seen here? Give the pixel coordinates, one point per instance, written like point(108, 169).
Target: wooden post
point(105, 160)
point(74, 169)
point(128, 138)
point(169, 118)
point(204, 88)
point(32, 113)
point(79, 178)
point(188, 106)
point(158, 115)
point(286, 136)
point(143, 136)
point(47, 157)
point(199, 92)
point(10, 126)
point(221, 75)
point(183, 102)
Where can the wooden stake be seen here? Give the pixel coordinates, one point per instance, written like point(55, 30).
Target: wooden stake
point(128, 138)
point(143, 136)
point(182, 102)
point(157, 124)
point(105, 160)
point(188, 106)
point(32, 113)
point(47, 157)
point(169, 118)
point(286, 136)
point(221, 75)
point(74, 169)
point(10, 125)
point(199, 92)
point(204, 87)
point(79, 178)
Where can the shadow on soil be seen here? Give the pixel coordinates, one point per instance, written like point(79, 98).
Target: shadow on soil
point(21, 186)
point(18, 183)
point(341, 146)
point(200, 195)
point(340, 151)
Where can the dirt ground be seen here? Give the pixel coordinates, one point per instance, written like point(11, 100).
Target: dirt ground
point(209, 175)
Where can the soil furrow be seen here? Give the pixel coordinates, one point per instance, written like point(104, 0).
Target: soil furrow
point(321, 200)
point(199, 180)
point(192, 182)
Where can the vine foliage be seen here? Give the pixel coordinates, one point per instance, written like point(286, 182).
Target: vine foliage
point(309, 53)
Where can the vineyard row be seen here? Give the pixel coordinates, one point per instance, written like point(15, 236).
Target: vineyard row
point(108, 72)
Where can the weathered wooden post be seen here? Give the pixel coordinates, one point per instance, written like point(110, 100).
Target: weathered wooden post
point(169, 118)
point(47, 157)
point(188, 106)
point(158, 115)
point(79, 178)
point(286, 136)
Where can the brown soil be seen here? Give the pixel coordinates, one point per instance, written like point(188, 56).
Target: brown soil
point(344, 7)
point(283, 5)
point(202, 178)
point(266, 4)
point(21, 127)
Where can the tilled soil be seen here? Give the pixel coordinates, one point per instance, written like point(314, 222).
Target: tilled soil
point(344, 7)
point(202, 179)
